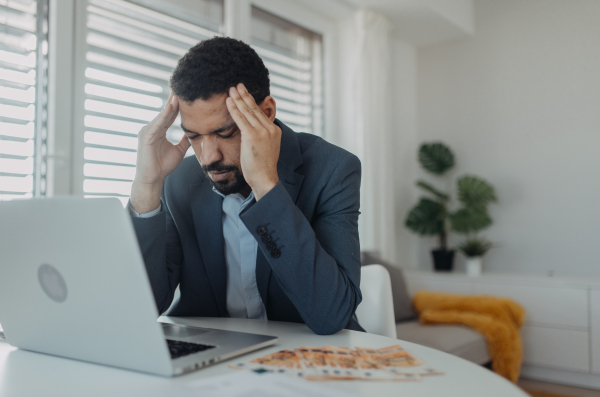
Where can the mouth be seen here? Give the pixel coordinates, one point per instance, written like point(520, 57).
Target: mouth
point(219, 176)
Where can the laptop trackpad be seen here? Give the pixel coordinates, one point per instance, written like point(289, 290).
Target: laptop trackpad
point(181, 331)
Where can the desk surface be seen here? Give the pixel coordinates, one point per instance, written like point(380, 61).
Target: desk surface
point(25, 373)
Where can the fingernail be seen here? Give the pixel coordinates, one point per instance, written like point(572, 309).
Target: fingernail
point(241, 87)
point(232, 91)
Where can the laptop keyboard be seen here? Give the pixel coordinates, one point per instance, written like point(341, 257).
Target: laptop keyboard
point(180, 349)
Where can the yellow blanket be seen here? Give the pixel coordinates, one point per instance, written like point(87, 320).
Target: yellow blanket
point(497, 319)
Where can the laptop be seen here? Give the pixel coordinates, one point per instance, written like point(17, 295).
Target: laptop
point(73, 284)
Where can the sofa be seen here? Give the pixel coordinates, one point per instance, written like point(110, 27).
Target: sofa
point(457, 340)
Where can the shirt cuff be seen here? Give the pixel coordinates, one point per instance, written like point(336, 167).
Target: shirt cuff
point(150, 214)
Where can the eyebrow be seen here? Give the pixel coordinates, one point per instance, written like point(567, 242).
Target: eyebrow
point(224, 128)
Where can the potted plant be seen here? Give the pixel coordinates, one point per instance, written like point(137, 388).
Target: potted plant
point(432, 215)
point(474, 248)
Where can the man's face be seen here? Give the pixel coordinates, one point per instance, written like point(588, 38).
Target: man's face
point(216, 141)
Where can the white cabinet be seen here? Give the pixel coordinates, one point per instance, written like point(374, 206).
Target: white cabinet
point(544, 305)
point(556, 348)
point(418, 283)
point(561, 334)
point(595, 329)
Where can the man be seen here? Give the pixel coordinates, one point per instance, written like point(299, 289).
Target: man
point(263, 222)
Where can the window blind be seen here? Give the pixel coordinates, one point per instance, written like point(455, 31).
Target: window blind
point(293, 56)
point(23, 82)
point(131, 52)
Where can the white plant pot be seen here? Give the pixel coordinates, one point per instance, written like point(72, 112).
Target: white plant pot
point(474, 266)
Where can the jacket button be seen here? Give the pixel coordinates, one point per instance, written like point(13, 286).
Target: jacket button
point(261, 230)
point(271, 245)
point(266, 238)
point(275, 253)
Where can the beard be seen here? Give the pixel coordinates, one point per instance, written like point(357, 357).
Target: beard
point(228, 186)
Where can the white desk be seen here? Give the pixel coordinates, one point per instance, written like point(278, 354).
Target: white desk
point(29, 374)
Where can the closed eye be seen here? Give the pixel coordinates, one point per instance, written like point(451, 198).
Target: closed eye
point(227, 136)
point(222, 136)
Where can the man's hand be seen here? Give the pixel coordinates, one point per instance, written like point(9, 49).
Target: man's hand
point(261, 141)
point(156, 158)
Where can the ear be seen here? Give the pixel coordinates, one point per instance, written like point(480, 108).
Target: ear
point(268, 107)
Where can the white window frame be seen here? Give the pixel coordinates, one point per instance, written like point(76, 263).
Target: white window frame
point(311, 20)
point(61, 66)
point(66, 76)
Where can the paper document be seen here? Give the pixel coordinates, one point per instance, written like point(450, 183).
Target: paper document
point(329, 363)
point(250, 384)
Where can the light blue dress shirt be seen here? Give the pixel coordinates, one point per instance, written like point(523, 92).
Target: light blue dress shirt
point(243, 298)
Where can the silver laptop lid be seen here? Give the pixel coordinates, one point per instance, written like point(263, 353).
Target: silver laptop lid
point(73, 284)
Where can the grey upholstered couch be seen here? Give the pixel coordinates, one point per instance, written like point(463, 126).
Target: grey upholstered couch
point(454, 339)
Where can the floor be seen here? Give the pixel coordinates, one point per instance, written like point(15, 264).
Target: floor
point(558, 389)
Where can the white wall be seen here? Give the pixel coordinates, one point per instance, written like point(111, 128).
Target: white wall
point(422, 22)
point(460, 12)
point(519, 103)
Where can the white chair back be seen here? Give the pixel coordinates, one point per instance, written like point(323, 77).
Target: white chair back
point(376, 311)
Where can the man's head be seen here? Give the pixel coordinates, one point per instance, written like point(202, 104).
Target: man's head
point(201, 81)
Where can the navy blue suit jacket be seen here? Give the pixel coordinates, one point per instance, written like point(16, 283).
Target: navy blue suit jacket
point(313, 276)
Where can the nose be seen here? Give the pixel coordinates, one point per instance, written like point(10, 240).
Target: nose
point(210, 150)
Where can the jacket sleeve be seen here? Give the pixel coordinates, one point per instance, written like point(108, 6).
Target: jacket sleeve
point(318, 264)
point(162, 252)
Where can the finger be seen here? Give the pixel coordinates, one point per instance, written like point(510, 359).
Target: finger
point(244, 108)
point(237, 116)
point(164, 116)
point(174, 103)
point(160, 124)
point(167, 105)
point(184, 144)
point(166, 109)
point(253, 106)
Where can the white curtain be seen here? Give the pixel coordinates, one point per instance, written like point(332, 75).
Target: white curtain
point(372, 130)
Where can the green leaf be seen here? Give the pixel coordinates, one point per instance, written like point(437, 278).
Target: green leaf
point(436, 158)
point(426, 218)
point(475, 192)
point(469, 220)
point(426, 186)
point(475, 246)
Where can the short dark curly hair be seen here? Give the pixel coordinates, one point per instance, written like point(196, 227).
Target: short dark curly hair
point(214, 65)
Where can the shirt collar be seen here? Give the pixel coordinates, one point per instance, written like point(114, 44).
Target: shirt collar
point(244, 202)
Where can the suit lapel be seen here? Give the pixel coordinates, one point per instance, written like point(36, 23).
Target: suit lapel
point(290, 159)
point(207, 207)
